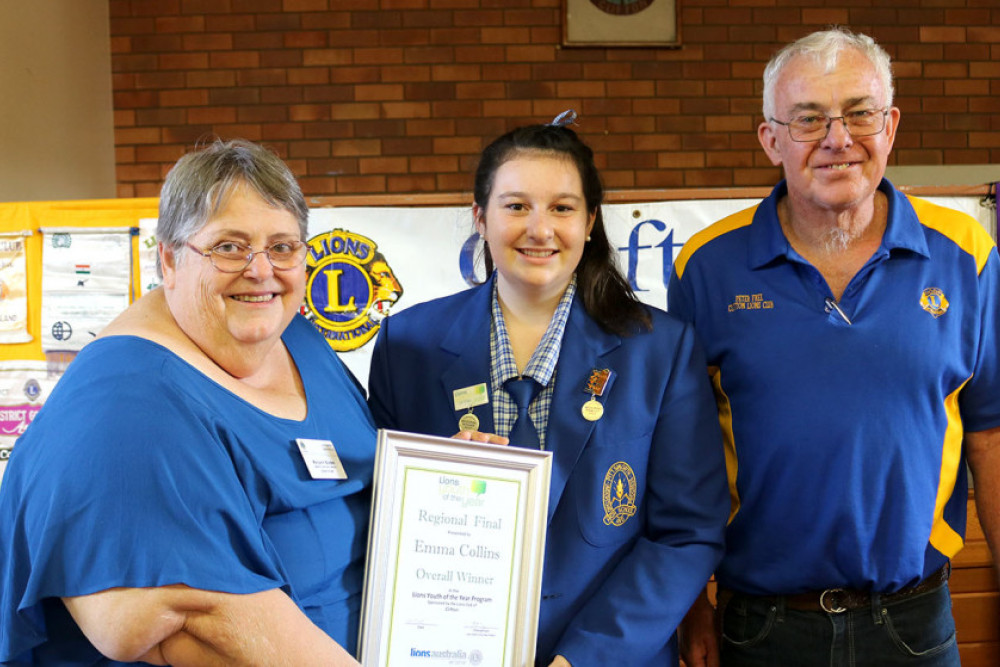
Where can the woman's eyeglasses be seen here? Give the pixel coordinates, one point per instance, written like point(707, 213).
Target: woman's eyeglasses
point(231, 257)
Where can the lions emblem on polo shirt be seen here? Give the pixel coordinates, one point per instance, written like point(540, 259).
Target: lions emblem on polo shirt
point(619, 494)
point(934, 302)
point(350, 288)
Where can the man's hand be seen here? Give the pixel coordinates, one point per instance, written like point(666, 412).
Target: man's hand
point(699, 642)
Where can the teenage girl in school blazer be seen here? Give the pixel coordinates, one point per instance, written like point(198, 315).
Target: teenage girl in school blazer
point(638, 497)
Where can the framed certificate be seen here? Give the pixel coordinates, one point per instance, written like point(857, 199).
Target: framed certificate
point(455, 550)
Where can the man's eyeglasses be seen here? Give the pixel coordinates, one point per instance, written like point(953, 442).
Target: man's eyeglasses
point(231, 257)
point(815, 126)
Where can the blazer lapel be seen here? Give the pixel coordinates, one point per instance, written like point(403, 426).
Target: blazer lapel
point(583, 345)
point(469, 341)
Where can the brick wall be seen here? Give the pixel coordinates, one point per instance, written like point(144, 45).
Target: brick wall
point(375, 96)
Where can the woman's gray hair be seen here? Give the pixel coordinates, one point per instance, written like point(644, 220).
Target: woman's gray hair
point(824, 47)
point(198, 186)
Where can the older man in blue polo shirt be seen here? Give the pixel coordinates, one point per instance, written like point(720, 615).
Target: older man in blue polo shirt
point(851, 334)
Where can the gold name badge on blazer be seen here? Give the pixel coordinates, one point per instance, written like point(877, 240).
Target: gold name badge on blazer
point(467, 398)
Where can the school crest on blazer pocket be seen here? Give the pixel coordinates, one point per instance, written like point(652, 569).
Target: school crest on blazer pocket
point(619, 494)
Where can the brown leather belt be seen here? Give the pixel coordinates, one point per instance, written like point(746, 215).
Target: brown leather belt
point(839, 600)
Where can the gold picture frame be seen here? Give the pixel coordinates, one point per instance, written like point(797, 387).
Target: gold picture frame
point(634, 23)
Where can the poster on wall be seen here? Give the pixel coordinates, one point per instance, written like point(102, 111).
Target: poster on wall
point(24, 387)
point(148, 279)
point(13, 288)
point(366, 263)
point(86, 279)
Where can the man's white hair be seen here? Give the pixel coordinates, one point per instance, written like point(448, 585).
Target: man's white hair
point(824, 47)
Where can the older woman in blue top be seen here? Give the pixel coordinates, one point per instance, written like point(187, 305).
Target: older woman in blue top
point(575, 364)
point(161, 508)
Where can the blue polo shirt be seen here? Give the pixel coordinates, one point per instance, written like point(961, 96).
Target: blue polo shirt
point(844, 427)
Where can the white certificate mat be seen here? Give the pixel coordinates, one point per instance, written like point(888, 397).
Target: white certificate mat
point(454, 553)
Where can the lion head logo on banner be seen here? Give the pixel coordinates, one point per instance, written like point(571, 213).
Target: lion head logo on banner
point(350, 288)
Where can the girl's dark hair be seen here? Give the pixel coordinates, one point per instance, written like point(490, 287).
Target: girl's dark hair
point(607, 296)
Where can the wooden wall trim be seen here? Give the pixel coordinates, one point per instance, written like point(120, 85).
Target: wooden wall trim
point(621, 196)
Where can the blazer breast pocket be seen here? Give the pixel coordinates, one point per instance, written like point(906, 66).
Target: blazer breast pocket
point(609, 489)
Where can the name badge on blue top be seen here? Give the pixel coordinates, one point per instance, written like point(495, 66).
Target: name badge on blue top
point(321, 459)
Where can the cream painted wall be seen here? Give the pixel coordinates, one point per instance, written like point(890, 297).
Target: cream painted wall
point(56, 123)
point(954, 174)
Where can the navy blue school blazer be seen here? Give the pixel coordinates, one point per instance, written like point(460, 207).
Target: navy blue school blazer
point(619, 572)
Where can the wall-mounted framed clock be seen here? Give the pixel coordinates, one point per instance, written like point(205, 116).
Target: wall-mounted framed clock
point(620, 23)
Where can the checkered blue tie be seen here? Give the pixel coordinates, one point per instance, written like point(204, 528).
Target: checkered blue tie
point(522, 391)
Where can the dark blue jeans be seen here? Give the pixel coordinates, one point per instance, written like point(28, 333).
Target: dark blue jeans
point(915, 631)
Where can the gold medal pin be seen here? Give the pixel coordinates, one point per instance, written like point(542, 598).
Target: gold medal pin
point(468, 422)
point(593, 409)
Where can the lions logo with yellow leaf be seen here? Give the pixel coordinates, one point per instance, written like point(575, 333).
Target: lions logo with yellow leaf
point(350, 288)
point(619, 494)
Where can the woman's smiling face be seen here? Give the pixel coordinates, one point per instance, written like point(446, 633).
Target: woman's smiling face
point(535, 223)
point(218, 310)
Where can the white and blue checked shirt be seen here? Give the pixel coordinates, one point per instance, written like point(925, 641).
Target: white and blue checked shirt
point(541, 367)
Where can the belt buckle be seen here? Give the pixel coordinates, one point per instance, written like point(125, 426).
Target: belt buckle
point(828, 605)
